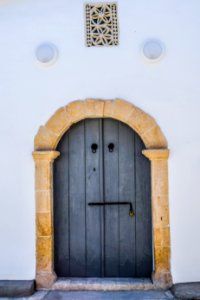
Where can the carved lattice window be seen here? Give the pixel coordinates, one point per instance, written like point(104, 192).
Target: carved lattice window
point(101, 24)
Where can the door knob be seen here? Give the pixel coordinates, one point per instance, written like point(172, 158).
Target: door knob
point(94, 148)
point(111, 147)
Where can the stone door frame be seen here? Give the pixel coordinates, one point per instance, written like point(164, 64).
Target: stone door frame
point(46, 141)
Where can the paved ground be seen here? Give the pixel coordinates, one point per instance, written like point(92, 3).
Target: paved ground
point(139, 295)
point(132, 295)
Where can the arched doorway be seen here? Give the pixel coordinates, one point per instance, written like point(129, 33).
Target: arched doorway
point(156, 151)
point(102, 202)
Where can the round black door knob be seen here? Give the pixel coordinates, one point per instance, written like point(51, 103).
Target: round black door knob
point(94, 148)
point(111, 147)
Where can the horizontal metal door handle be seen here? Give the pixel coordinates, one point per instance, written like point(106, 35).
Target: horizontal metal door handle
point(131, 211)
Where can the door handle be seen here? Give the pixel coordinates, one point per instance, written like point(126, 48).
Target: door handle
point(131, 211)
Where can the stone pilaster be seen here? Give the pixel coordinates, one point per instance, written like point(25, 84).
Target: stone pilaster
point(160, 215)
point(45, 275)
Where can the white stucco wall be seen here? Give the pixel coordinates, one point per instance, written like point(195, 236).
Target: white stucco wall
point(29, 93)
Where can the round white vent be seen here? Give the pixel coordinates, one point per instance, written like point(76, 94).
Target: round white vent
point(46, 53)
point(153, 50)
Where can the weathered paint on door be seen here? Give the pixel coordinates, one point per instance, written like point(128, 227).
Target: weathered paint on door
point(102, 240)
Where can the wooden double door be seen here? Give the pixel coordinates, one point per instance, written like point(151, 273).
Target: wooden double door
point(102, 204)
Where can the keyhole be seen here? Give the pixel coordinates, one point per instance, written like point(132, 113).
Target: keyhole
point(94, 148)
point(111, 147)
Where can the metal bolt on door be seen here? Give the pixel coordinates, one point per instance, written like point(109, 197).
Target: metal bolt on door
point(102, 204)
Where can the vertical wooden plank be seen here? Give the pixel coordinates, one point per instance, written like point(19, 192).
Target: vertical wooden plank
point(143, 212)
point(77, 200)
point(102, 220)
point(93, 194)
point(61, 221)
point(111, 182)
point(127, 193)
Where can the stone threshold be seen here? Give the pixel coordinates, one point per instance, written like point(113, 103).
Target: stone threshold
point(103, 284)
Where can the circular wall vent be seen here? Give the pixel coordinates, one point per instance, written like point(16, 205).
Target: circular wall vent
point(153, 50)
point(46, 53)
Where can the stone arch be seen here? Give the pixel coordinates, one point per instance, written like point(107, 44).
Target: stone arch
point(156, 151)
point(49, 135)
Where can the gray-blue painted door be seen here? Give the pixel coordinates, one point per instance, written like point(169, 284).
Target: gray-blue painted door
point(102, 240)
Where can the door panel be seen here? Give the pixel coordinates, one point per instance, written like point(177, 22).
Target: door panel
point(111, 183)
point(77, 207)
point(61, 209)
point(143, 212)
point(98, 241)
point(93, 194)
point(127, 190)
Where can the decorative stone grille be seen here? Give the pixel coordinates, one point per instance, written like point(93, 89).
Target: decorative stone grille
point(101, 24)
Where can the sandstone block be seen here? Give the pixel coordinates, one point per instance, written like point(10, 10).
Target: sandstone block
point(118, 109)
point(154, 138)
point(43, 176)
point(44, 253)
point(44, 280)
point(44, 224)
point(76, 110)
point(94, 108)
point(45, 139)
point(59, 122)
point(43, 201)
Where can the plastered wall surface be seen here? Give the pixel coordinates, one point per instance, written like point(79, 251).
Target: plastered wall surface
point(30, 93)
